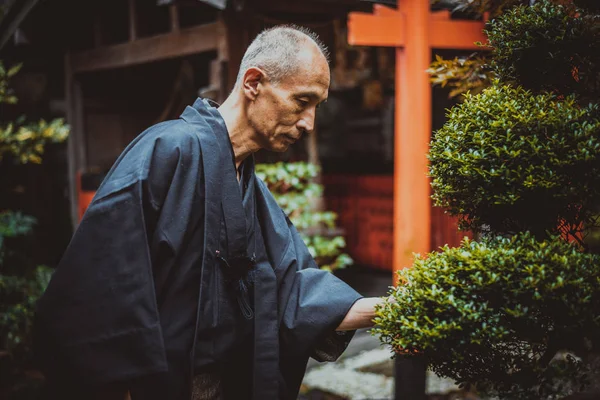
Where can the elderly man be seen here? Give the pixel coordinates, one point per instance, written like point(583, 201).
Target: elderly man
point(184, 278)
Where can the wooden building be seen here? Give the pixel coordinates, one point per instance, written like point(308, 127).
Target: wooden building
point(115, 67)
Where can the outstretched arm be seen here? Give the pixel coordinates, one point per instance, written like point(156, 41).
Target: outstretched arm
point(361, 314)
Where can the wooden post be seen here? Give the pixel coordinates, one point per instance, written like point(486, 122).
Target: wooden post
point(132, 21)
point(410, 382)
point(412, 204)
point(98, 34)
point(76, 143)
point(174, 16)
point(236, 28)
point(222, 61)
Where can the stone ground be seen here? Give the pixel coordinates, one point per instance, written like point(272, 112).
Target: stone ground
point(365, 371)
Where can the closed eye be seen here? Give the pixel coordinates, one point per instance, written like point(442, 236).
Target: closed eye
point(302, 102)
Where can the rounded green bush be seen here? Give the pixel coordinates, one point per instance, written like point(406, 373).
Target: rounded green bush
point(495, 312)
point(548, 47)
point(517, 161)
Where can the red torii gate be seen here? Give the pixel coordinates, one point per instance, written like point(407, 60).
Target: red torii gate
point(414, 31)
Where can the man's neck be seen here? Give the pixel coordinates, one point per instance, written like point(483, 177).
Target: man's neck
point(240, 132)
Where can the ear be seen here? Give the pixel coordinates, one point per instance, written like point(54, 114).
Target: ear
point(253, 78)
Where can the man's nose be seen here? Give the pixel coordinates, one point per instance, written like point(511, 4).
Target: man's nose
point(307, 122)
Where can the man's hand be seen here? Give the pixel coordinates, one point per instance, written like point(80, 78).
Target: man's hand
point(361, 314)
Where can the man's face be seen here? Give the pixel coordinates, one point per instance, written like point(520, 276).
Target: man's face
point(283, 111)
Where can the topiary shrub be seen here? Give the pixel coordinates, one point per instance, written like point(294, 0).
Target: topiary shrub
point(517, 161)
point(294, 189)
point(497, 312)
point(549, 47)
point(517, 313)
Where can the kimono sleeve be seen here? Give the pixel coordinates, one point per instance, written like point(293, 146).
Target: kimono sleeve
point(98, 321)
point(317, 305)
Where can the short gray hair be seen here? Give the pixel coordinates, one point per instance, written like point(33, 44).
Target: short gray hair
point(276, 50)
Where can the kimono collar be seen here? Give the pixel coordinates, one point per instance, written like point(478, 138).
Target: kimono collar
point(200, 111)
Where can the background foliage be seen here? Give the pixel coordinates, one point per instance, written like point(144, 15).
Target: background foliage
point(21, 280)
point(296, 192)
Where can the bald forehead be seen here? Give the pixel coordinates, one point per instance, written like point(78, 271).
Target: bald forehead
point(311, 49)
point(310, 56)
point(308, 52)
point(311, 76)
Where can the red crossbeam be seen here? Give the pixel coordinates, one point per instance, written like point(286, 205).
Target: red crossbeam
point(386, 27)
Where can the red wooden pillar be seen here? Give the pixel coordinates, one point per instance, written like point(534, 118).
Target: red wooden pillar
point(414, 31)
point(412, 204)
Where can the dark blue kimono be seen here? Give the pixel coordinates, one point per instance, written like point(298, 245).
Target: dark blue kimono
point(143, 294)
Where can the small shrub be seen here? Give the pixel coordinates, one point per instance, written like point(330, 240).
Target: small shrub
point(517, 161)
point(496, 313)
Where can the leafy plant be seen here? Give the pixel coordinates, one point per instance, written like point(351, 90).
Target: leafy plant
point(294, 189)
point(550, 47)
point(24, 141)
point(21, 281)
point(6, 93)
point(19, 290)
point(516, 314)
point(517, 161)
point(497, 312)
point(463, 75)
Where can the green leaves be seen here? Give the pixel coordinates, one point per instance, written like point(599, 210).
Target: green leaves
point(328, 251)
point(13, 224)
point(504, 150)
point(491, 312)
point(461, 75)
point(26, 142)
point(21, 280)
point(516, 313)
point(285, 177)
point(6, 93)
point(296, 193)
point(19, 287)
point(548, 47)
point(18, 297)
